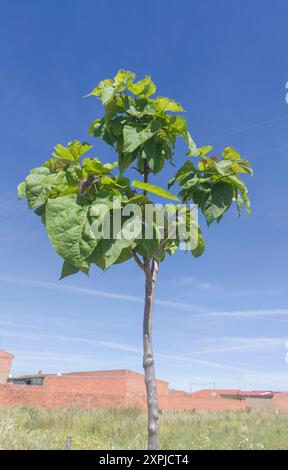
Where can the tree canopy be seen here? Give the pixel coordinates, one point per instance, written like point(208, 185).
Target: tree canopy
point(73, 193)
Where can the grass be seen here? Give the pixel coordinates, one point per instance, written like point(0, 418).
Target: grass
point(28, 428)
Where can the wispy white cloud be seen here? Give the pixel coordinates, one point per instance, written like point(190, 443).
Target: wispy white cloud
point(217, 288)
point(71, 339)
point(118, 346)
point(224, 345)
point(221, 345)
point(211, 364)
point(193, 281)
point(199, 309)
point(99, 293)
point(48, 356)
point(19, 325)
point(235, 344)
point(31, 361)
point(271, 380)
point(253, 380)
point(245, 313)
point(251, 292)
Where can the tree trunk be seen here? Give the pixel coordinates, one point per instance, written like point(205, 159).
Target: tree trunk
point(148, 358)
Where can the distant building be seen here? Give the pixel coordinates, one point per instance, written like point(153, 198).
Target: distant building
point(234, 394)
point(5, 366)
point(117, 388)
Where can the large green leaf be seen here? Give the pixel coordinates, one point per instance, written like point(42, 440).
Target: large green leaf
point(106, 89)
point(123, 79)
point(125, 160)
point(96, 167)
point(98, 129)
point(133, 137)
point(107, 93)
point(124, 256)
point(97, 91)
point(38, 189)
point(108, 252)
point(217, 201)
point(179, 125)
point(40, 184)
point(21, 189)
point(139, 107)
point(166, 104)
point(69, 230)
point(200, 246)
point(72, 152)
point(68, 269)
point(242, 166)
point(153, 152)
point(240, 186)
point(230, 153)
point(144, 88)
point(191, 145)
point(187, 169)
point(148, 247)
point(171, 246)
point(151, 188)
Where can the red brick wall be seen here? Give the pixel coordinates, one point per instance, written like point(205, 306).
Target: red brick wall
point(135, 390)
point(22, 395)
point(86, 391)
point(54, 396)
point(187, 402)
point(261, 404)
point(5, 366)
point(86, 384)
point(108, 388)
point(281, 402)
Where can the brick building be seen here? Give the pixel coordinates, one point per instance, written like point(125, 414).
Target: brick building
point(95, 389)
point(5, 366)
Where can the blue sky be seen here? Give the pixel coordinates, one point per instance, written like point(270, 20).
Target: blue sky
point(222, 318)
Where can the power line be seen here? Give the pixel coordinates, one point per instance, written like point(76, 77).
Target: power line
point(282, 147)
point(253, 126)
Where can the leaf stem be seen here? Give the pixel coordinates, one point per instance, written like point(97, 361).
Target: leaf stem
point(146, 171)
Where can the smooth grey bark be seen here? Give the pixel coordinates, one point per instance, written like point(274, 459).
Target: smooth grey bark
point(153, 424)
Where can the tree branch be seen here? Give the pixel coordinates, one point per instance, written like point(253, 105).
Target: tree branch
point(138, 261)
point(146, 172)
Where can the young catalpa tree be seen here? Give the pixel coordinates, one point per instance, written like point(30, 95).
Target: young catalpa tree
point(80, 199)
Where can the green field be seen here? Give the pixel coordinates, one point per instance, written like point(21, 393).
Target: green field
point(27, 428)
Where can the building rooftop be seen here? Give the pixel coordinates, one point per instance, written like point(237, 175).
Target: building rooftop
point(234, 392)
point(95, 373)
point(5, 353)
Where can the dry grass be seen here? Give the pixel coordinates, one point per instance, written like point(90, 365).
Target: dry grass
point(28, 428)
